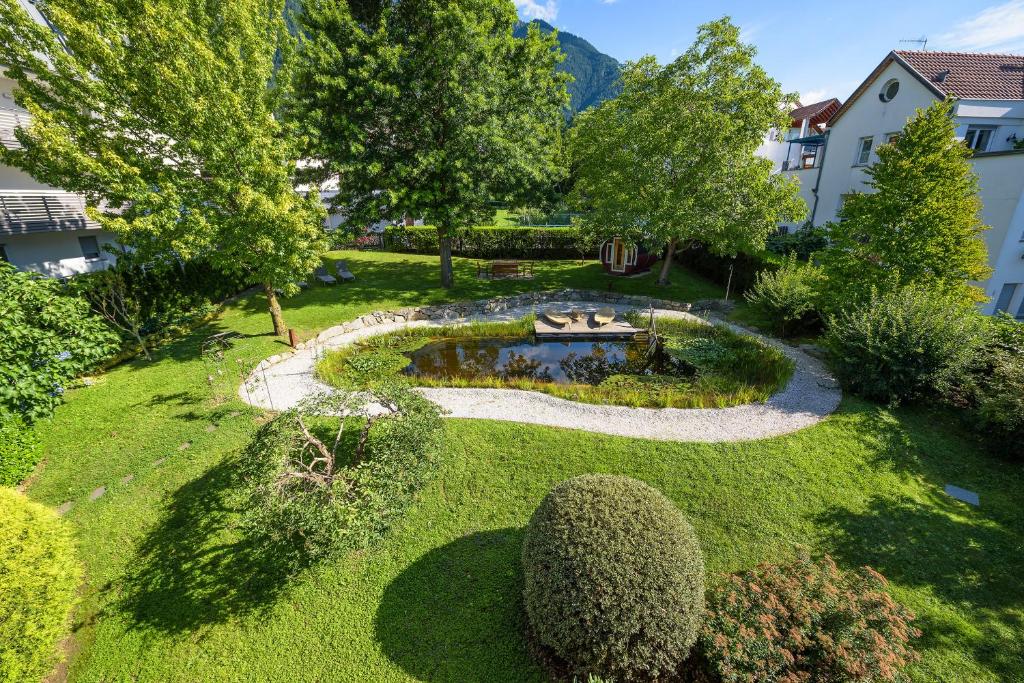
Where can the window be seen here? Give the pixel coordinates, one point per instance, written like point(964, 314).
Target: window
point(978, 137)
point(1006, 296)
point(3, 253)
point(889, 90)
point(90, 247)
point(891, 137)
point(864, 151)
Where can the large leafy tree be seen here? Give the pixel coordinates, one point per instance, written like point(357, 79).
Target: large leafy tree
point(162, 113)
point(428, 109)
point(672, 159)
point(920, 223)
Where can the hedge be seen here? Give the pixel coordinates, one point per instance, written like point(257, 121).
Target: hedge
point(614, 580)
point(39, 577)
point(19, 450)
point(745, 267)
point(488, 242)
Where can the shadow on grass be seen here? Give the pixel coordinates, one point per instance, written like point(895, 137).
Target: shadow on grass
point(193, 569)
point(964, 556)
point(455, 613)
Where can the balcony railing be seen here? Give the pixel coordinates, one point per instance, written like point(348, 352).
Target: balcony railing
point(9, 120)
point(22, 214)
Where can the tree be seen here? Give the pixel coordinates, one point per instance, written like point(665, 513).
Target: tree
point(672, 158)
point(920, 224)
point(162, 113)
point(432, 112)
point(47, 338)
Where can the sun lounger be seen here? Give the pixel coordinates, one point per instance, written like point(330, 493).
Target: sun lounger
point(341, 268)
point(557, 318)
point(603, 316)
point(323, 276)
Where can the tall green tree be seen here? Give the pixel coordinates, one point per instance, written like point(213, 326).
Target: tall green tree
point(919, 224)
point(672, 159)
point(430, 112)
point(162, 113)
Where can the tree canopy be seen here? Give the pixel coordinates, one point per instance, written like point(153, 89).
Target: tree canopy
point(431, 112)
point(672, 160)
point(162, 113)
point(920, 223)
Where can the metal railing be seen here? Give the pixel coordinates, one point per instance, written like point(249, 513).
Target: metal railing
point(9, 120)
point(22, 213)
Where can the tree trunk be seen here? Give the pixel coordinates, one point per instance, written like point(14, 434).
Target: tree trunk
point(142, 344)
point(666, 267)
point(447, 275)
point(275, 310)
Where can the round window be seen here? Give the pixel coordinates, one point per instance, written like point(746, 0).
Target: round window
point(889, 90)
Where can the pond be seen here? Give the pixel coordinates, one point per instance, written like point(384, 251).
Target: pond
point(579, 361)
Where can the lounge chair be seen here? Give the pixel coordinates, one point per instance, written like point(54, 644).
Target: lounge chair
point(323, 276)
point(603, 316)
point(557, 318)
point(341, 268)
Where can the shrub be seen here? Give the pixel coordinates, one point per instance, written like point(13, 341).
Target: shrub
point(614, 579)
point(19, 451)
point(789, 296)
point(904, 344)
point(1000, 399)
point(803, 243)
point(39, 578)
point(738, 272)
point(47, 338)
point(806, 621)
point(314, 482)
point(488, 243)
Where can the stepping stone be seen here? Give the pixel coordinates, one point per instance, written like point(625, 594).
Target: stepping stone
point(98, 493)
point(234, 413)
point(211, 428)
point(969, 497)
point(185, 446)
point(127, 478)
point(65, 508)
point(159, 462)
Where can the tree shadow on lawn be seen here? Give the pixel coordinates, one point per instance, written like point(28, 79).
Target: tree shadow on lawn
point(455, 614)
point(956, 554)
point(194, 569)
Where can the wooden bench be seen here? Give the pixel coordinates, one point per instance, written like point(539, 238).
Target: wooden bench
point(505, 269)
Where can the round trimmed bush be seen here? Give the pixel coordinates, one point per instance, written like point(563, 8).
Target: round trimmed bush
point(39, 578)
point(614, 579)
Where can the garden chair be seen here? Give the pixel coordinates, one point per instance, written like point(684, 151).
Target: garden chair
point(323, 276)
point(341, 268)
point(603, 316)
point(557, 318)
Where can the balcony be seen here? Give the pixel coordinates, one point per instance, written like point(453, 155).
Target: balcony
point(23, 214)
point(9, 120)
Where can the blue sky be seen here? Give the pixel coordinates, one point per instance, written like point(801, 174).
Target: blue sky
point(820, 49)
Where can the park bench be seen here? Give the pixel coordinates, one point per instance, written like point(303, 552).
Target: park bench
point(505, 269)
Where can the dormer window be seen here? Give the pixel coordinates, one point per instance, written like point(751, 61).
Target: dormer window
point(979, 137)
point(889, 90)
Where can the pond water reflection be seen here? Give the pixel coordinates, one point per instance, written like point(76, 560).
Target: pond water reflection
point(577, 361)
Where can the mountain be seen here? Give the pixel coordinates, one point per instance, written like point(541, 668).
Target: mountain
point(596, 74)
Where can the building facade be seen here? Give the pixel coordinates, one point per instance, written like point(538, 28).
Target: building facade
point(988, 90)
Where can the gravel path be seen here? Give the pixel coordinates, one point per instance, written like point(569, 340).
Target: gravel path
point(811, 395)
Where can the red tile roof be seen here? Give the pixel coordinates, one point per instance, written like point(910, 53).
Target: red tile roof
point(819, 112)
point(969, 75)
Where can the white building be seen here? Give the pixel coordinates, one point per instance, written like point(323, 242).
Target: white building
point(989, 113)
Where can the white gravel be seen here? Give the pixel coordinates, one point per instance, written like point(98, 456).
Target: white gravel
point(811, 395)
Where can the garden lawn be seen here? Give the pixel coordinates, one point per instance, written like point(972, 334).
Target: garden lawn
point(174, 593)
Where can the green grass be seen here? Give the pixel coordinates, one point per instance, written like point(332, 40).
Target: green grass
point(173, 592)
point(740, 370)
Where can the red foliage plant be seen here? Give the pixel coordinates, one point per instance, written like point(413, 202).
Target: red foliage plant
point(806, 621)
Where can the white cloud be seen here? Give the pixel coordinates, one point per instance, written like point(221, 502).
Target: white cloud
point(1000, 27)
point(546, 10)
point(812, 96)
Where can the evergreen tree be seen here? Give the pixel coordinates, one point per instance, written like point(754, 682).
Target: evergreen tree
point(672, 160)
point(430, 112)
point(162, 113)
point(920, 224)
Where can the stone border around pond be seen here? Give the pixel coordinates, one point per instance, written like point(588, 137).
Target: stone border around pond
point(282, 381)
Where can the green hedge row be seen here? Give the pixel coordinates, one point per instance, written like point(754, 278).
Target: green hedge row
point(488, 242)
point(745, 267)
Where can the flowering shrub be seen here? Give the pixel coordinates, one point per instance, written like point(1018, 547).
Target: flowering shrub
point(806, 621)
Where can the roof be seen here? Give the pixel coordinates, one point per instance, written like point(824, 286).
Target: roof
point(970, 75)
point(817, 112)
